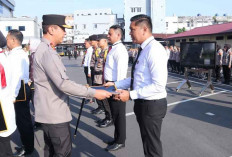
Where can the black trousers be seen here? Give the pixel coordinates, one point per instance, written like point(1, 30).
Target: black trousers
point(88, 79)
point(92, 74)
point(150, 115)
point(104, 105)
point(57, 138)
point(178, 67)
point(226, 73)
point(5, 148)
point(118, 111)
point(217, 72)
point(24, 122)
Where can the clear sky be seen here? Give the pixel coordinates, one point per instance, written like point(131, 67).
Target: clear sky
point(37, 8)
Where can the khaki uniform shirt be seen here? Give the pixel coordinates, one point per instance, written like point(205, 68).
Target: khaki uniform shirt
point(52, 86)
point(98, 68)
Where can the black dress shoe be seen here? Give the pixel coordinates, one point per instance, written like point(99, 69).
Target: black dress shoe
point(99, 121)
point(115, 147)
point(106, 123)
point(109, 142)
point(20, 152)
point(98, 111)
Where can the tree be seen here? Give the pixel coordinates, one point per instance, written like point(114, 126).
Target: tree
point(180, 30)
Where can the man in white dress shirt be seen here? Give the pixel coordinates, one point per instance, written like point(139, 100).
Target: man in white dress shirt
point(19, 61)
point(7, 113)
point(115, 70)
point(86, 61)
point(147, 85)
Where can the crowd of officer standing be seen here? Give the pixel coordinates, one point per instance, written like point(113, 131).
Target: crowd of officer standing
point(104, 65)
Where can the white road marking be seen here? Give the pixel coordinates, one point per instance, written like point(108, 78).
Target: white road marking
point(173, 82)
point(210, 114)
point(204, 84)
point(183, 101)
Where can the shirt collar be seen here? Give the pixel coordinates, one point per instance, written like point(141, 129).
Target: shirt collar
point(46, 41)
point(117, 43)
point(16, 48)
point(144, 44)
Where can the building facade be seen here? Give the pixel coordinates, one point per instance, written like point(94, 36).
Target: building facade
point(219, 33)
point(28, 26)
point(69, 37)
point(173, 23)
point(89, 22)
point(153, 8)
point(6, 8)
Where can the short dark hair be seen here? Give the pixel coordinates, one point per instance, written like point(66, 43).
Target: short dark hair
point(142, 19)
point(119, 29)
point(17, 35)
point(45, 29)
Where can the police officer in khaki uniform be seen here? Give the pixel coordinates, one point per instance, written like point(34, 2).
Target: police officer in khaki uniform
point(52, 87)
point(99, 79)
point(95, 55)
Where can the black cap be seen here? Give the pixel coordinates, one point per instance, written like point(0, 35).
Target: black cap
point(93, 37)
point(53, 19)
point(101, 36)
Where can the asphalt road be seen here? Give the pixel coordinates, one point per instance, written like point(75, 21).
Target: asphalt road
point(193, 127)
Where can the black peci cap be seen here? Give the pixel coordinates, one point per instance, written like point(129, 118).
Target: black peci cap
point(101, 36)
point(53, 19)
point(93, 37)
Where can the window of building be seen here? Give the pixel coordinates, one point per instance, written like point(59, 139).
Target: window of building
point(229, 37)
point(177, 40)
point(89, 14)
point(183, 40)
point(188, 24)
point(95, 13)
point(75, 26)
point(191, 39)
point(21, 28)
point(77, 14)
point(95, 26)
point(219, 38)
point(166, 24)
point(8, 28)
point(84, 26)
point(132, 10)
point(100, 13)
point(136, 9)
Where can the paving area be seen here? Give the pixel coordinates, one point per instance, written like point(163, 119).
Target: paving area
point(193, 127)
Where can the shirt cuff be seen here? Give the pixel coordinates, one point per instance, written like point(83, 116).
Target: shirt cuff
point(133, 95)
point(91, 92)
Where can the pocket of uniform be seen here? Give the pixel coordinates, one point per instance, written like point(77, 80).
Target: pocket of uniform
point(157, 109)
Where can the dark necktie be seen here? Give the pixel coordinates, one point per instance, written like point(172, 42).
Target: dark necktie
point(110, 47)
point(133, 68)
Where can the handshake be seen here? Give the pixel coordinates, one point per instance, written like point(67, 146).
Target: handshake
point(120, 95)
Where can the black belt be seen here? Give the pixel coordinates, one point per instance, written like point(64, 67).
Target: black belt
point(143, 100)
point(109, 81)
point(98, 72)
